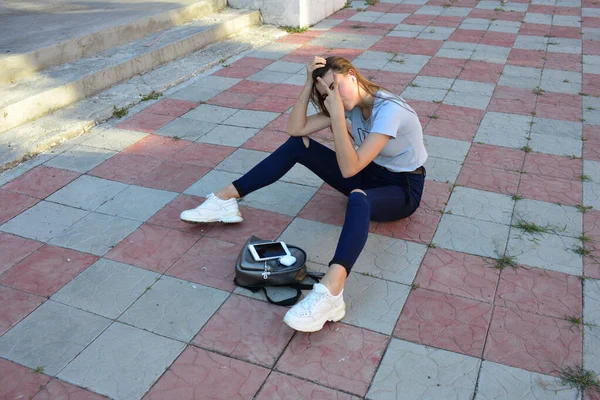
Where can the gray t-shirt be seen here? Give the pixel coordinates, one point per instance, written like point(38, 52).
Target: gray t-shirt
point(405, 151)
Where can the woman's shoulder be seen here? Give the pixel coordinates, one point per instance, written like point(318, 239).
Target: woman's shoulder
point(390, 102)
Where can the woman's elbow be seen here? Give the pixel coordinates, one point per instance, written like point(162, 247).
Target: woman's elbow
point(348, 174)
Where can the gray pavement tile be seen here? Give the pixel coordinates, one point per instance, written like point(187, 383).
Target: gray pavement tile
point(274, 51)
point(196, 92)
point(563, 45)
point(591, 64)
point(287, 67)
point(591, 194)
point(106, 288)
point(430, 10)
point(326, 24)
point(560, 146)
point(520, 77)
point(590, 12)
point(251, 119)
point(372, 59)
point(478, 204)
point(591, 301)
point(566, 20)
point(546, 251)
point(186, 128)
point(344, 40)
point(442, 169)
point(561, 81)
point(431, 82)
point(410, 28)
point(421, 372)
point(409, 63)
point(270, 76)
point(471, 236)
point(87, 192)
point(51, 336)
point(174, 308)
point(478, 24)
point(464, 99)
point(216, 82)
point(424, 94)
point(210, 113)
point(492, 54)
point(43, 221)
point(591, 105)
point(553, 127)
point(459, 50)
point(243, 160)
point(80, 158)
point(537, 18)
point(319, 240)
point(390, 259)
point(137, 203)
point(501, 382)
point(228, 135)
point(123, 362)
point(591, 33)
point(366, 16)
point(560, 220)
point(591, 348)
point(95, 233)
point(391, 18)
point(592, 170)
point(450, 149)
point(212, 182)
point(436, 33)
point(296, 79)
point(505, 26)
point(22, 168)
point(527, 42)
point(113, 139)
point(501, 129)
point(373, 303)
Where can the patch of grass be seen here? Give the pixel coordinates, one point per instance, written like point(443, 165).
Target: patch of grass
point(294, 29)
point(434, 116)
point(532, 228)
point(582, 251)
point(400, 61)
point(566, 81)
point(432, 30)
point(361, 9)
point(584, 239)
point(590, 108)
point(585, 178)
point(368, 274)
point(358, 26)
point(120, 112)
point(505, 261)
point(575, 320)
point(539, 91)
point(371, 2)
point(39, 369)
point(517, 197)
point(176, 137)
point(552, 43)
point(498, 9)
point(579, 378)
point(583, 94)
point(151, 96)
point(583, 209)
point(414, 286)
point(526, 149)
point(348, 4)
point(431, 245)
point(437, 101)
point(414, 85)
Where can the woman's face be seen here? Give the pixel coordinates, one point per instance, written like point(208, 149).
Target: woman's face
point(347, 87)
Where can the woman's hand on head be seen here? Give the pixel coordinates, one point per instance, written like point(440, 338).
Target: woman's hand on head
point(316, 63)
point(333, 101)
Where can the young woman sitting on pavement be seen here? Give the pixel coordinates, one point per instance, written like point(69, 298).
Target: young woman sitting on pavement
point(383, 177)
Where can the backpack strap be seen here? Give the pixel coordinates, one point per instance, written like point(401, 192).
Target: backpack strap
point(305, 284)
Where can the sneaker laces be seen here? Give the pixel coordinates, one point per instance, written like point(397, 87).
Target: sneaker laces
point(310, 302)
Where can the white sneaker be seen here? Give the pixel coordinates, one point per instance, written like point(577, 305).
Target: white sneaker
point(315, 309)
point(214, 210)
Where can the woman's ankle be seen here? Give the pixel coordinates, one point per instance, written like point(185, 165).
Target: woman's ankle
point(228, 192)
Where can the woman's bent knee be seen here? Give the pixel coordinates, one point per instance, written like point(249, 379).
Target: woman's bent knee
point(358, 191)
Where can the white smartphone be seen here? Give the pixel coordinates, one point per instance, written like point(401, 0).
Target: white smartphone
point(268, 251)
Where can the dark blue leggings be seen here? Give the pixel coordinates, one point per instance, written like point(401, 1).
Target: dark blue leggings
point(390, 195)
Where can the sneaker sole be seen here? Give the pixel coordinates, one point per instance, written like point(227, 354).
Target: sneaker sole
point(339, 314)
point(227, 220)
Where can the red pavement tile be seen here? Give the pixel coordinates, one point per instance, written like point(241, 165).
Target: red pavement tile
point(285, 90)
point(512, 100)
point(395, 82)
point(14, 204)
point(209, 262)
point(541, 9)
point(419, 227)
point(172, 176)
point(495, 157)
point(153, 247)
point(567, 32)
point(279, 124)
point(145, 122)
point(252, 62)
point(444, 321)
point(563, 62)
point(591, 144)
point(59, 390)
point(591, 394)
point(251, 87)
point(540, 291)
point(419, 19)
point(247, 329)
point(168, 216)
point(501, 39)
point(552, 166)
point(455, 122)
point(264, 224)
point(266, 140)
point(299, 38)
point(467, 35)
point(591, 229)
point(14, 248)
point(41, 182)
point(448, 22)
point(590, 22)
point(199, 374)
point(435, 195)
point(17, 382)
point(232, 99)
point(480, 71)
point(534, 29)
point(458, 274)
point(526, 58)
point(172, 107)
point(239, 72)
point(271, 103)
point(47, 270)
point(443, 67)
point(424, 108)
point(561, 106)
point(591, 47)
point(284, 387)
point(363, 28)
point(404, 8)
point(326, 207)
point(533, 342)
point(156, 146)
point(497, 15)
point(591, 84)
point(306, 53)
point(392, 44)
point(14, 306)
point(487, 178)
point(343, 14)
point(125, 167)
point(203, 154)
point(338, 356)
point(554, 190)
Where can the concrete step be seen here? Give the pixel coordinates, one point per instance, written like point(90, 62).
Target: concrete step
point(20, 146)
point(38, 38)
point(65, 84)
